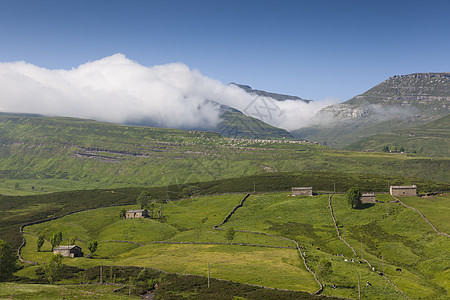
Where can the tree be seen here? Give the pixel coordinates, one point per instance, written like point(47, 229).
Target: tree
point(229, 234)
point(40, 242)
point(92, 246)
point(53, 267)
point(324, 269)
point(56, 239)
point(142, 199)
point(73, 240)
point(123, 213)
point(402, 149)
point(353, 197)
point(385, 149)
point(7, 261)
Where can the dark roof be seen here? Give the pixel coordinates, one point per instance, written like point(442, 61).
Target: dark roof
point(70, 247)
point(404, 186)
point(136, 211)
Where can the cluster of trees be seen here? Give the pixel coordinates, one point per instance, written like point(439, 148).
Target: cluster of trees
point(145, 202)
point(395, 149)
point(57, 238)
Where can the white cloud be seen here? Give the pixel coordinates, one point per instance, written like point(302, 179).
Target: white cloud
point(116, 89)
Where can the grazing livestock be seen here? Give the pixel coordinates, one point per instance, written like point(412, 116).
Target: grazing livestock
point(368, 283)
point(333, 286)
point(345, 259)
point(398, 270)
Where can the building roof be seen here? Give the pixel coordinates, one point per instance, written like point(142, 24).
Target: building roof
point(368, 195)
point(136, 210)
point(302, 188)
point(403, 187)
point(70, 247)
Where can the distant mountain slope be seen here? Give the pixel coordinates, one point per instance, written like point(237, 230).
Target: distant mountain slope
point(278, 97)
point(237, 125)
point(432, 139)
point(405, 101)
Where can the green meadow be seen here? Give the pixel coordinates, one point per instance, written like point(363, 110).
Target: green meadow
point(41, 155)
point(388, 235)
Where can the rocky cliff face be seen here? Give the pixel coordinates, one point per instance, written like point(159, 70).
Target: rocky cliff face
point(420, 95)
point(400, 102)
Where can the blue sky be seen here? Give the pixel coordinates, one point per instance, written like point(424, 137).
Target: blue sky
point(313, 49)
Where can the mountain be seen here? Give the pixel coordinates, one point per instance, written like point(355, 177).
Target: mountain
point(233, 123)
point(275, 96)
point(399, 103)
point(237, 125)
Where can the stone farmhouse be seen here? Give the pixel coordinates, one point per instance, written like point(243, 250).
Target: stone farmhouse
point(403, 190)
point(302, 191)
point(69, 251)
point(368, 198)
point(136, 213)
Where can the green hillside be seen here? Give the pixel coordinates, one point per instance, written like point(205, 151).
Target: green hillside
point(41, 154)
point(400, 239)
point(432, 139)
point(235, 124)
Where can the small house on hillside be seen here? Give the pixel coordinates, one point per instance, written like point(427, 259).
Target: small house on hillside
point(368, 198)
point(403, 190)
point(137, 213)
point(302, 191)
point(69, 251)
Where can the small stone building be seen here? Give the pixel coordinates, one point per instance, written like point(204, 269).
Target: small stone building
point(69, 251)
point(368, 198)
point(403, 190)
point(137, 213)
point(302, 191)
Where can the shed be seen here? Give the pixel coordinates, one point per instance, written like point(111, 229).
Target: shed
point(368, 198)
point(69, 251)
point(403, 190)
point(302, 191)
point(137, 213)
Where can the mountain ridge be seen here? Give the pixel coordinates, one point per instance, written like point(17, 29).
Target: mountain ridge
point(400, 102)
point(276, 96)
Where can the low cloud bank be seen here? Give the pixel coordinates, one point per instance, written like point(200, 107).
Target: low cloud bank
point(116, 89)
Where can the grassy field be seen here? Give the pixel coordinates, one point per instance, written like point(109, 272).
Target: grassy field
point(17, 210)
point(390, 234)
point(42, 291)
point(41, 155)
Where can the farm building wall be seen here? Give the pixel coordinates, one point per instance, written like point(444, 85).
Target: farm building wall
point(302, 191)
point(368, 198)
point(410, 190)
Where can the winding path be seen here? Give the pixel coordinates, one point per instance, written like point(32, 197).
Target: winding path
point(360, 258)
point(423, 217)
point(276, 236)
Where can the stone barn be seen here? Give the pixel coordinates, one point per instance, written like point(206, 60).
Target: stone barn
point(69, 251)
point(302, 191)
point(137, 213)
point(368, 198)
point(403, 190)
